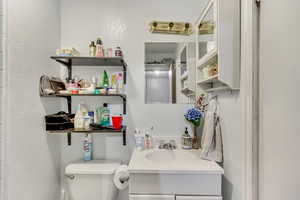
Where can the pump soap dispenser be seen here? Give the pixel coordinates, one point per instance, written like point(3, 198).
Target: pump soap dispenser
point(186, 140)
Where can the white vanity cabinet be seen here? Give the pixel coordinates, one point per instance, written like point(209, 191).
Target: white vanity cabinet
point(173, 175)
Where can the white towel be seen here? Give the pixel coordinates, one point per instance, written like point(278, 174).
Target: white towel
point(212, 147)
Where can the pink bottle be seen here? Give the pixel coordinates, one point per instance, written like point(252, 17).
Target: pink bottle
point(99, 48)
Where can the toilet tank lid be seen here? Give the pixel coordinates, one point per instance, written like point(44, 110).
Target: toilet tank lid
point(93, 167)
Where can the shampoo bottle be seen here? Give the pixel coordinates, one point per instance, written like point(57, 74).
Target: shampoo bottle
point(87, 147)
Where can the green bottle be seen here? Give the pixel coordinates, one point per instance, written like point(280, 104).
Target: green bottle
point(105, 81)
point(105, 115)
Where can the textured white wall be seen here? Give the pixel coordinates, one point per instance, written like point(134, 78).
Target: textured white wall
point(233, 144)
point(33, 33)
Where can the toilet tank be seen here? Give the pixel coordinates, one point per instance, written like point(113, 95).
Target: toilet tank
point(92, 180)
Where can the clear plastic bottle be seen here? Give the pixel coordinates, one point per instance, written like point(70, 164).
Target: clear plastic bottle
point(78, 120)
point(92, 49)
point(139, 140)
point(81, 113)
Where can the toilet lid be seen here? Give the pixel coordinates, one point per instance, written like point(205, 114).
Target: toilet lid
point(93, 167)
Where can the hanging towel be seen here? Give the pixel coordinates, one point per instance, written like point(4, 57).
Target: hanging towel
point(212, 147)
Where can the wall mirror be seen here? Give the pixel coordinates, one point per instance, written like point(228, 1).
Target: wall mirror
point(170, 72)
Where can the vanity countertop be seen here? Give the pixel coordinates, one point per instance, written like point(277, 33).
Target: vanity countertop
point(172, 162)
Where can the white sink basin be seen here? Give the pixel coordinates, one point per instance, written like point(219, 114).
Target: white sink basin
point(168, 161)
point(160, 156)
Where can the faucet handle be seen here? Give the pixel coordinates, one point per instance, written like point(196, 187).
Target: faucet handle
point(173, 144)
point(161, 144)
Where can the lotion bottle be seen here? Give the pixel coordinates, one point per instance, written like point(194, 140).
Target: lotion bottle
point(99, 48)
point(87, 147)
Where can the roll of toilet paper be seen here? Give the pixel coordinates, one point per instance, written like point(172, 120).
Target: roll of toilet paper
point(121, 178)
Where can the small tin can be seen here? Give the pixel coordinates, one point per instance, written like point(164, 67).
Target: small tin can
point(118, 52)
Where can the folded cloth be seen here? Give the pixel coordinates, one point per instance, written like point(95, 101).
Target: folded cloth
point(212, 146)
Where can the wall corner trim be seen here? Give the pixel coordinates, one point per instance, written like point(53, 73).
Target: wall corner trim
point(249, 67)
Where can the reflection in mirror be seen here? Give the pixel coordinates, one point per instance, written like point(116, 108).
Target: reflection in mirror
point(206, 33)
point(167, 75)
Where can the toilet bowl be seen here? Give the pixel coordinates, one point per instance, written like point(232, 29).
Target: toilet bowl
point(92, 180)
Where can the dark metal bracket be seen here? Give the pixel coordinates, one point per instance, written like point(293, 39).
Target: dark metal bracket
point(124, 136)
point(124, 71)
point(69, 100)
point(124, 104)
point(69, 138)
point(64, 62)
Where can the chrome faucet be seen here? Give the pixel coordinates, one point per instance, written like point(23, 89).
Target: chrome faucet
point(168, 146)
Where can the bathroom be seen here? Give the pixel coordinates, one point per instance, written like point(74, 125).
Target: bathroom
point(33, 162)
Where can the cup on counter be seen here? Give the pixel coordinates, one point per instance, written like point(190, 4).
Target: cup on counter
point(117, 122)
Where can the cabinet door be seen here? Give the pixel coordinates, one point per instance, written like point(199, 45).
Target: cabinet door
point(151, 197)
point(198, 198)
point(206, 31)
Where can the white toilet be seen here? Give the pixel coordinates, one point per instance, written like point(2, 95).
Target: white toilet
point(92, 180)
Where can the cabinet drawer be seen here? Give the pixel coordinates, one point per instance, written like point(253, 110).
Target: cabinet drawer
point(198, 198)
point(151, 197)
point(181, 184)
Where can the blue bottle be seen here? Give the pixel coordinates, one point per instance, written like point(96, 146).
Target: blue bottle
point(87, 147)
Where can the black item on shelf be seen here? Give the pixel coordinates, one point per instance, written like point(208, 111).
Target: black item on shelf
point(99, 127)
point(59, 121)
point(50, 85)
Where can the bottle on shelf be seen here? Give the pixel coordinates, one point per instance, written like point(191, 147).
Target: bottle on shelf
point(99, 48)
point(118, 52)
point(97, 115)
point(81, 114)
point(105, 115)
point(105, 80)
point(92, 49)
point(120, 84)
